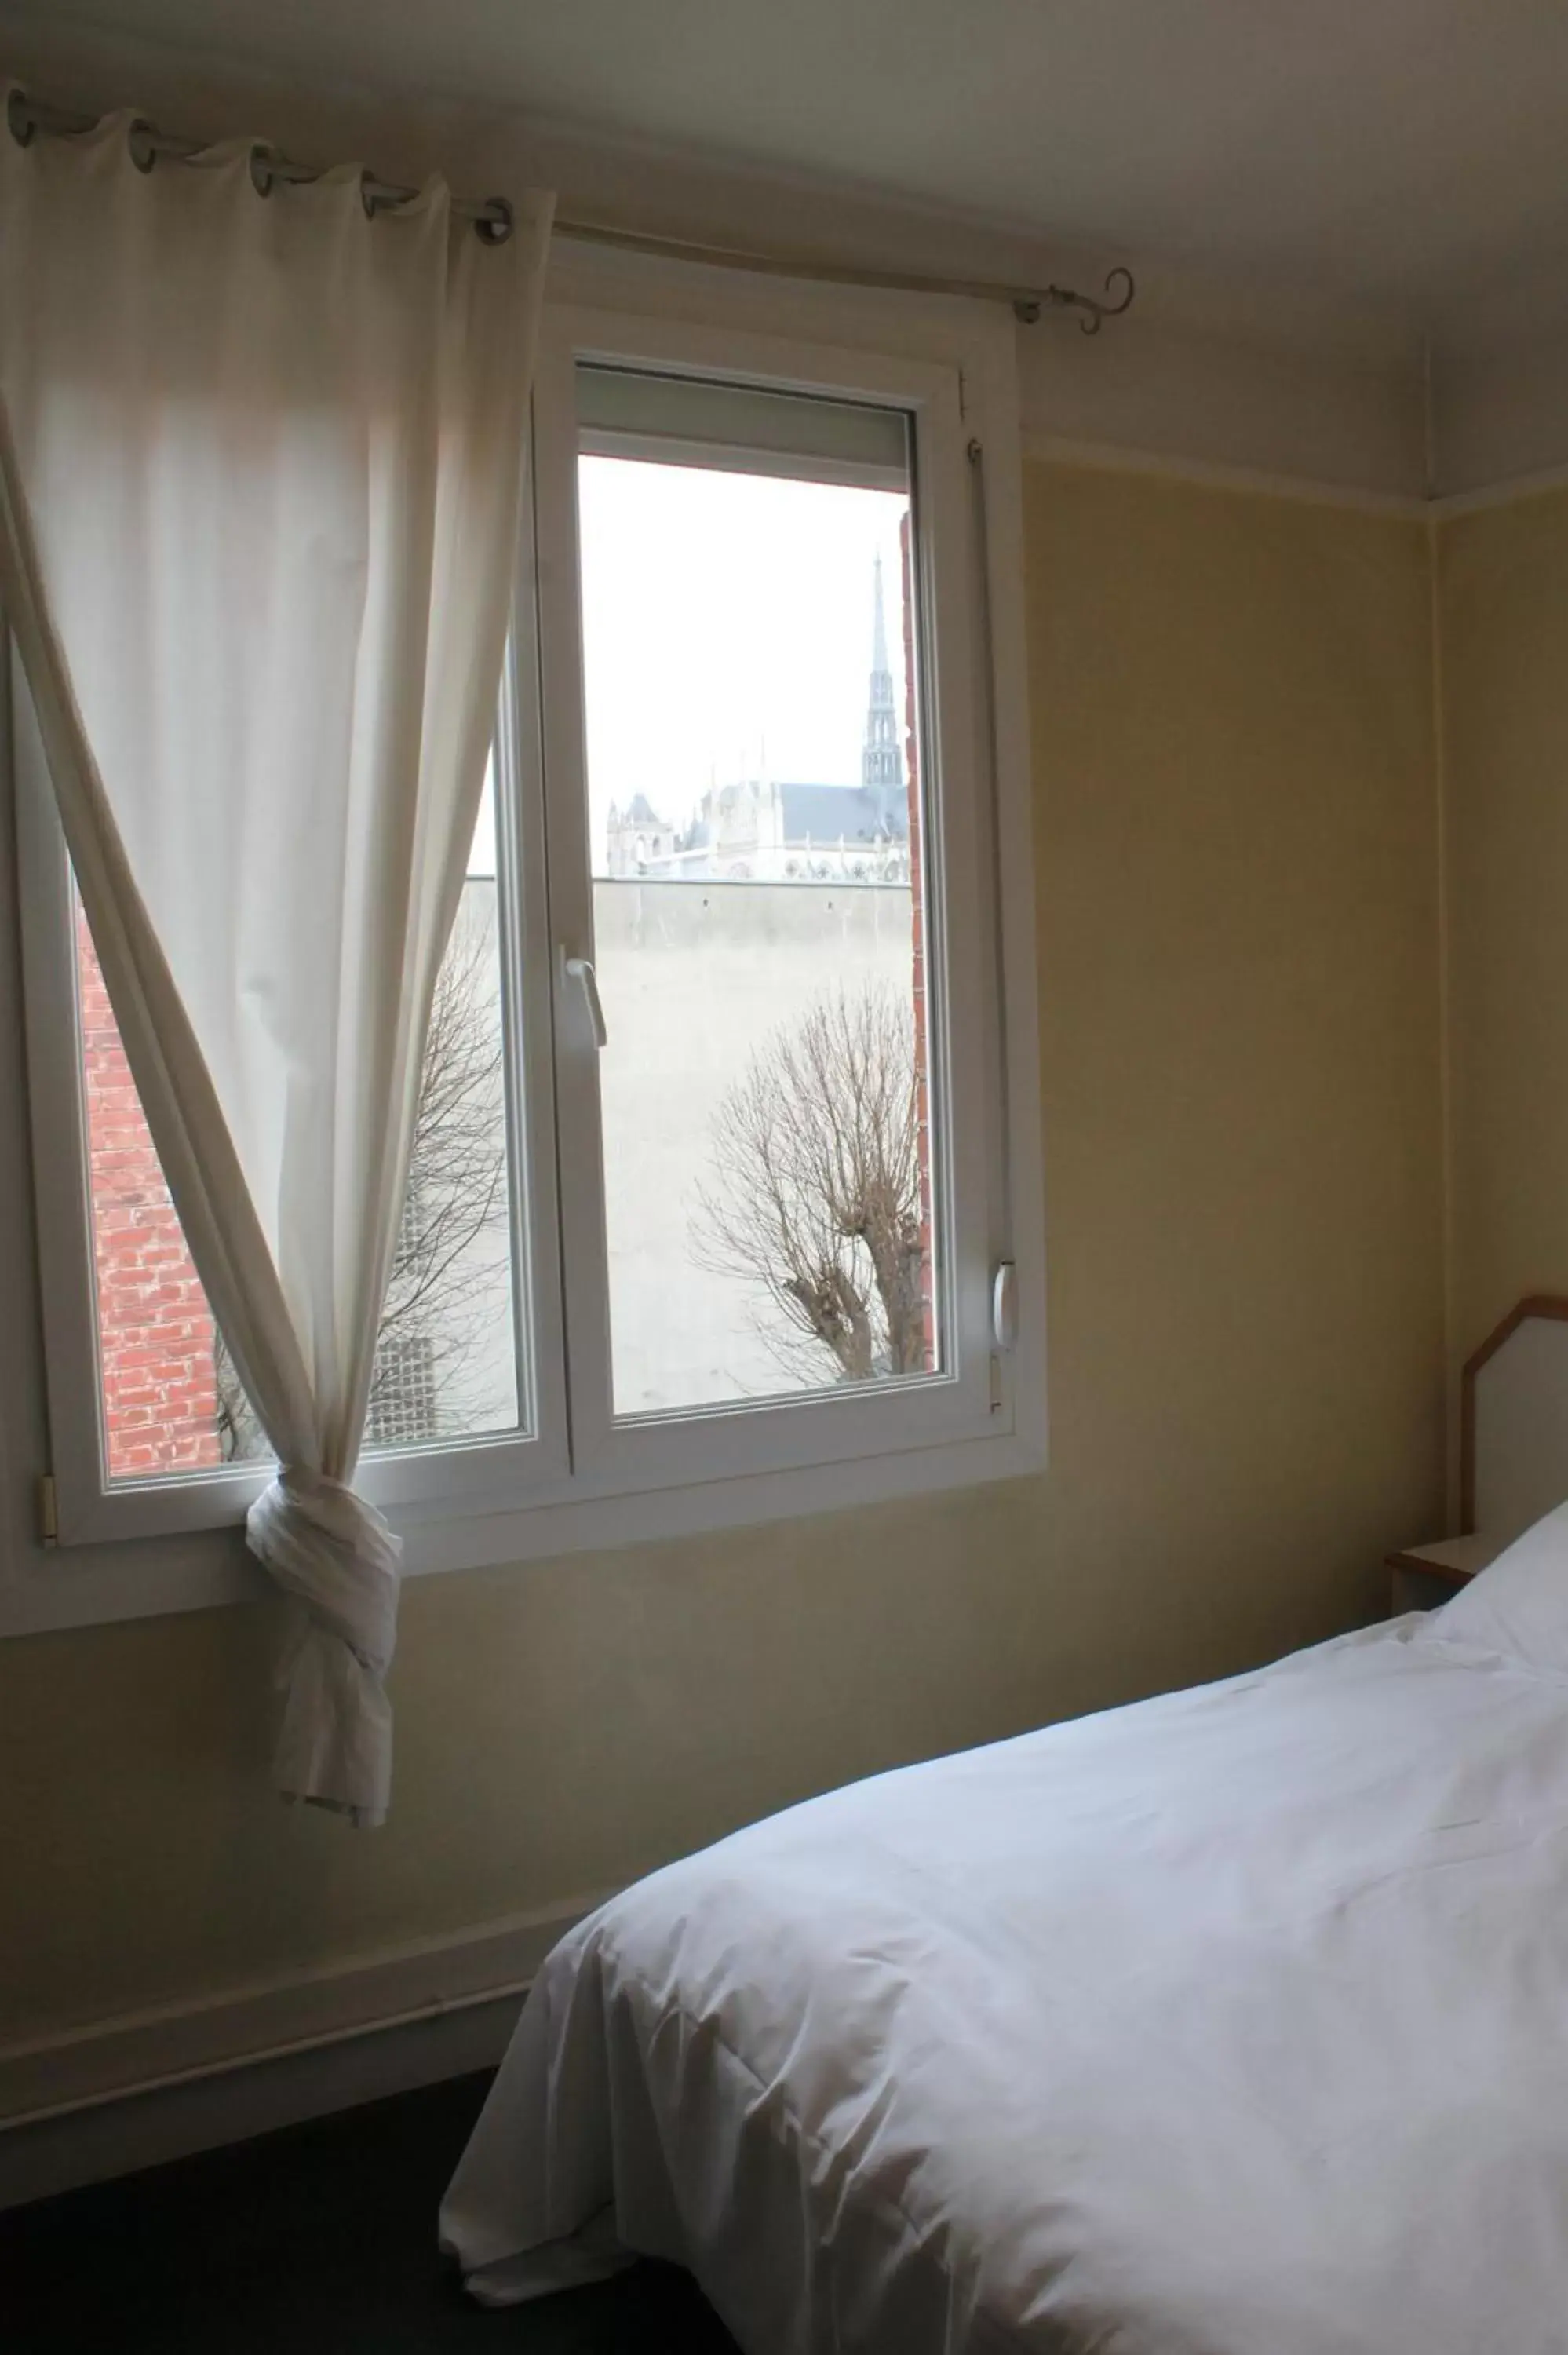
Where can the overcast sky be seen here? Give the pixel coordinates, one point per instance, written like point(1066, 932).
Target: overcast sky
point(727, 632)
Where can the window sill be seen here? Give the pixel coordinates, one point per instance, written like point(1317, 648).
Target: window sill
point(50, 1589)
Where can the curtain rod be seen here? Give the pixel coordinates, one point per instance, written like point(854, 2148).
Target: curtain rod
point(492, 218)
point(1027, 303)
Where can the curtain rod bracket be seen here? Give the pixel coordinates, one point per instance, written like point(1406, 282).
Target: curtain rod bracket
point(1093, 309)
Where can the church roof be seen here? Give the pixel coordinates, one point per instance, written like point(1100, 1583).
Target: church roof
point(823, 814)
point(826, 812)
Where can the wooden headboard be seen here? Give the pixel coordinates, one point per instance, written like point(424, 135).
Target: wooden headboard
point(1513, 1420)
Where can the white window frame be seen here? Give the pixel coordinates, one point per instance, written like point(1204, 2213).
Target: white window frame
point(581, 1480)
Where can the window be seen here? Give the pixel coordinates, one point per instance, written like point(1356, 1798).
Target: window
point(719, 1145)
point(755, 814)
point(447, 1367)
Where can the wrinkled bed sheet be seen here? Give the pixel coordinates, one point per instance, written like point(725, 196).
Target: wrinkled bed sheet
point(1234, 2023)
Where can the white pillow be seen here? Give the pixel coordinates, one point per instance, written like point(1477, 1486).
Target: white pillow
point(1520, 1604)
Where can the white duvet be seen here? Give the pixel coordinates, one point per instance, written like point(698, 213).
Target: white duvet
point(1235, 2023)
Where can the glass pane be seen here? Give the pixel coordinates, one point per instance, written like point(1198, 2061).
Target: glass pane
point(446, 1366)
point(755, 813)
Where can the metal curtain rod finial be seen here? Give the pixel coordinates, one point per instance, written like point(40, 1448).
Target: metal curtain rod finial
point(1094, 312)
point(25, 117)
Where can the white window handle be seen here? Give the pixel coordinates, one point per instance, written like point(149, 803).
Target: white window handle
point(580, 970)
point(1005, 1306)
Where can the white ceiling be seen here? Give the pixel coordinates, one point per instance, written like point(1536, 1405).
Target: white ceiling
point(1412, 151)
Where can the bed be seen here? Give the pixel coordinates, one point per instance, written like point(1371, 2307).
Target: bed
point(1232, 2023)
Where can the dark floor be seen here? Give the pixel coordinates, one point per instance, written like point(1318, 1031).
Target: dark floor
point(317, 2240)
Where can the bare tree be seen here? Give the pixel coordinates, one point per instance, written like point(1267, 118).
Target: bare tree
point(815, 1193)
point(457, 1195)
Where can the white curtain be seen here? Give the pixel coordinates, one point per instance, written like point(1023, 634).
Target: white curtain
point(260, 464)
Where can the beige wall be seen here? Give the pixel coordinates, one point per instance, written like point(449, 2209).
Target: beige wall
point(1240, 1068)
point(1503, 605)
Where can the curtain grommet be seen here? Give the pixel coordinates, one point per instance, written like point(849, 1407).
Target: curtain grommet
point(263, 179)
point(497, 225)
point(20, 119)
point(142, 145)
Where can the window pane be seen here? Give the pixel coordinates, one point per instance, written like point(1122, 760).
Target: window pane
point(156, 1342)
point(755, 811)
point(445, 1367)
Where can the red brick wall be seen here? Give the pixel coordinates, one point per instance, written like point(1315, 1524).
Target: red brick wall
point(155, 1330)
point(917, 894)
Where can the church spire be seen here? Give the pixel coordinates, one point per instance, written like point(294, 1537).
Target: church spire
point(880, 771)
point(879, 626)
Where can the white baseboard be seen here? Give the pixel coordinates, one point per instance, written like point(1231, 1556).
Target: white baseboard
point(132, 2092)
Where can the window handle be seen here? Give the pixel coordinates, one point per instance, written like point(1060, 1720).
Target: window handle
point(580, 970)
point(1005, 1306)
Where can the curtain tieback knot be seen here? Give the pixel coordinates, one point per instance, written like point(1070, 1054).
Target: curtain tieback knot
point(335, 1554)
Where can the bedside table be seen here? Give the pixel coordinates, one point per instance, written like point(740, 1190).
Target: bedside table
point(1424, 1576)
